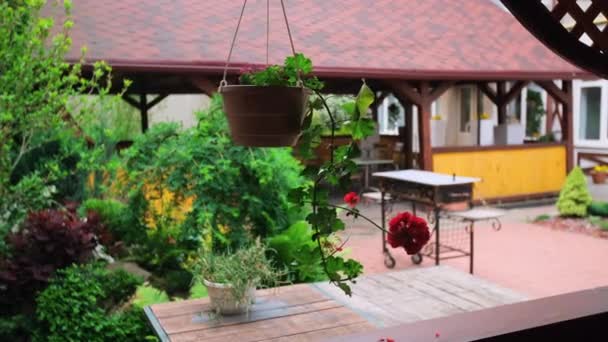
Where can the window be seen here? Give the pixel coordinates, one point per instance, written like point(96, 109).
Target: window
point(590, 101)
point(465, 109)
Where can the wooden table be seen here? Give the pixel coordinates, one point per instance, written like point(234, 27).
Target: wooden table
point(290, 313)
point(311, 312)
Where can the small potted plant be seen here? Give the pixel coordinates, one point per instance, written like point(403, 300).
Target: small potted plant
point(268, 107)
point(599, 174)
point(231, 279)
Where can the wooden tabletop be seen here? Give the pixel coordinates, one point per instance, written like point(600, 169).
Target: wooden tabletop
point(294, 313)
point(320, 311)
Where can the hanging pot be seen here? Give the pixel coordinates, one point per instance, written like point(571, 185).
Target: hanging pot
point(265, 116)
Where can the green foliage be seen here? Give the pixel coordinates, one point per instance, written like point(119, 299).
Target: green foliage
point(15, 328)
point(117, 217)
point(286, 75)
point(598, 209)
point(543, 217)
point(535, 111)
point(80, 304)
point(296, 251)
point(149, 295)
point(43, 156)
point(336, 172)
point(247, 267)
point(574, 198)
point(599, 222)
point(238, 193)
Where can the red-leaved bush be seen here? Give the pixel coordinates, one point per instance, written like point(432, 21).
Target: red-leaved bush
point(48, 240)
point(408, 231)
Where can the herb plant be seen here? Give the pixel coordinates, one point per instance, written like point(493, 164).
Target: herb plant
point(246, 268)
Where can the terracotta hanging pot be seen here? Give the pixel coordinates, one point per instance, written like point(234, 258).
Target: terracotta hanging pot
point(265, 116)
point(599, 177)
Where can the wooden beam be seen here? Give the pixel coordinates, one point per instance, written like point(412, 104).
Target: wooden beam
point(440, 89)
point(405, 90)
point(205, 85)
point(489, 92)
point(514, 91)
point(553, 90)
point(128, 99)
point(157, 100)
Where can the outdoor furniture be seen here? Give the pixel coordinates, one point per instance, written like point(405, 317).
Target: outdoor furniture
point(426, 188)
point(367, 164)
point(469, 218)
point(319, 311)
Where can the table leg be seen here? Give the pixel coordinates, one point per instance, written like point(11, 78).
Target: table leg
point(366, 176)
point(437, 245)
point(389, 261)
point(471, 237)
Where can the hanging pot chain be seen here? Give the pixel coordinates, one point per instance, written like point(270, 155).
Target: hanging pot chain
point(223, 82)
point(299, 83)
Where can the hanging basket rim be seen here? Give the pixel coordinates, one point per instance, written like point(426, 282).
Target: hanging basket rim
point(234, 87)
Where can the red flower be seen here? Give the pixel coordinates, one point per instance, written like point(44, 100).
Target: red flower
point(351, 199)
point(408, 231)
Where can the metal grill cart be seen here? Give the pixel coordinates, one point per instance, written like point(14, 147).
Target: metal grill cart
point(434, 191)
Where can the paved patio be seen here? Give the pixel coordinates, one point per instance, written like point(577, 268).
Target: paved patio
point(527, 258)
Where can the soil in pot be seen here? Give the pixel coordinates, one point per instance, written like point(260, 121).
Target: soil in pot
point(265, 116)
point(223, 301)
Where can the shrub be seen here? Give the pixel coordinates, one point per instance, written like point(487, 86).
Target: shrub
point(233, 193)
point(296, 251)
point(49, 240)
point(79, 305)
point(117, 217)
point(598, 209)
point(574, 198)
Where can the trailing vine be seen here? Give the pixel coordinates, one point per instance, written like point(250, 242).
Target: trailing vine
point(323, 215)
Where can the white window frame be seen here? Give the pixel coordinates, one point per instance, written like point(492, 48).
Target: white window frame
point(578, 85)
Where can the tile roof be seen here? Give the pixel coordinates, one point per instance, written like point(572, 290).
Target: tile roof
point(429, 39)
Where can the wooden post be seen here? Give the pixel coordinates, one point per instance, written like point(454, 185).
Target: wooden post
point(550, 113)
point(143, 106)
point(568, 128)
point(424, 127)
point(500, 104)
point(143, 112)
point(408, 137)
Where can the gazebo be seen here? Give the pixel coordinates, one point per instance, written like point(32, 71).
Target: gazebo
point(415, 50)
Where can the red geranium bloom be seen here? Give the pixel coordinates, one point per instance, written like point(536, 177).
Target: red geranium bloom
point(351, 199)
point(408, 231)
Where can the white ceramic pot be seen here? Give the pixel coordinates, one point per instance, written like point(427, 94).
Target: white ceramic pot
point(223, 301)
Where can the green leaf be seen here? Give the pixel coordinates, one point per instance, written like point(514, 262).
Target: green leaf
point(350, 108)
point(364, 99)
point(362, 128)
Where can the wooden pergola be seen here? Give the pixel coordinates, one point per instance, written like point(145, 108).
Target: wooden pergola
point(415, 50)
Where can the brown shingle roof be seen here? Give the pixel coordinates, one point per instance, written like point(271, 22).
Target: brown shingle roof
point(432, 39)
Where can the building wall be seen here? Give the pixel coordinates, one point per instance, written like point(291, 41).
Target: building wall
point(178, 108)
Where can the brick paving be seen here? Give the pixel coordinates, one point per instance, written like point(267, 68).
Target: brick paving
point(527, 258)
